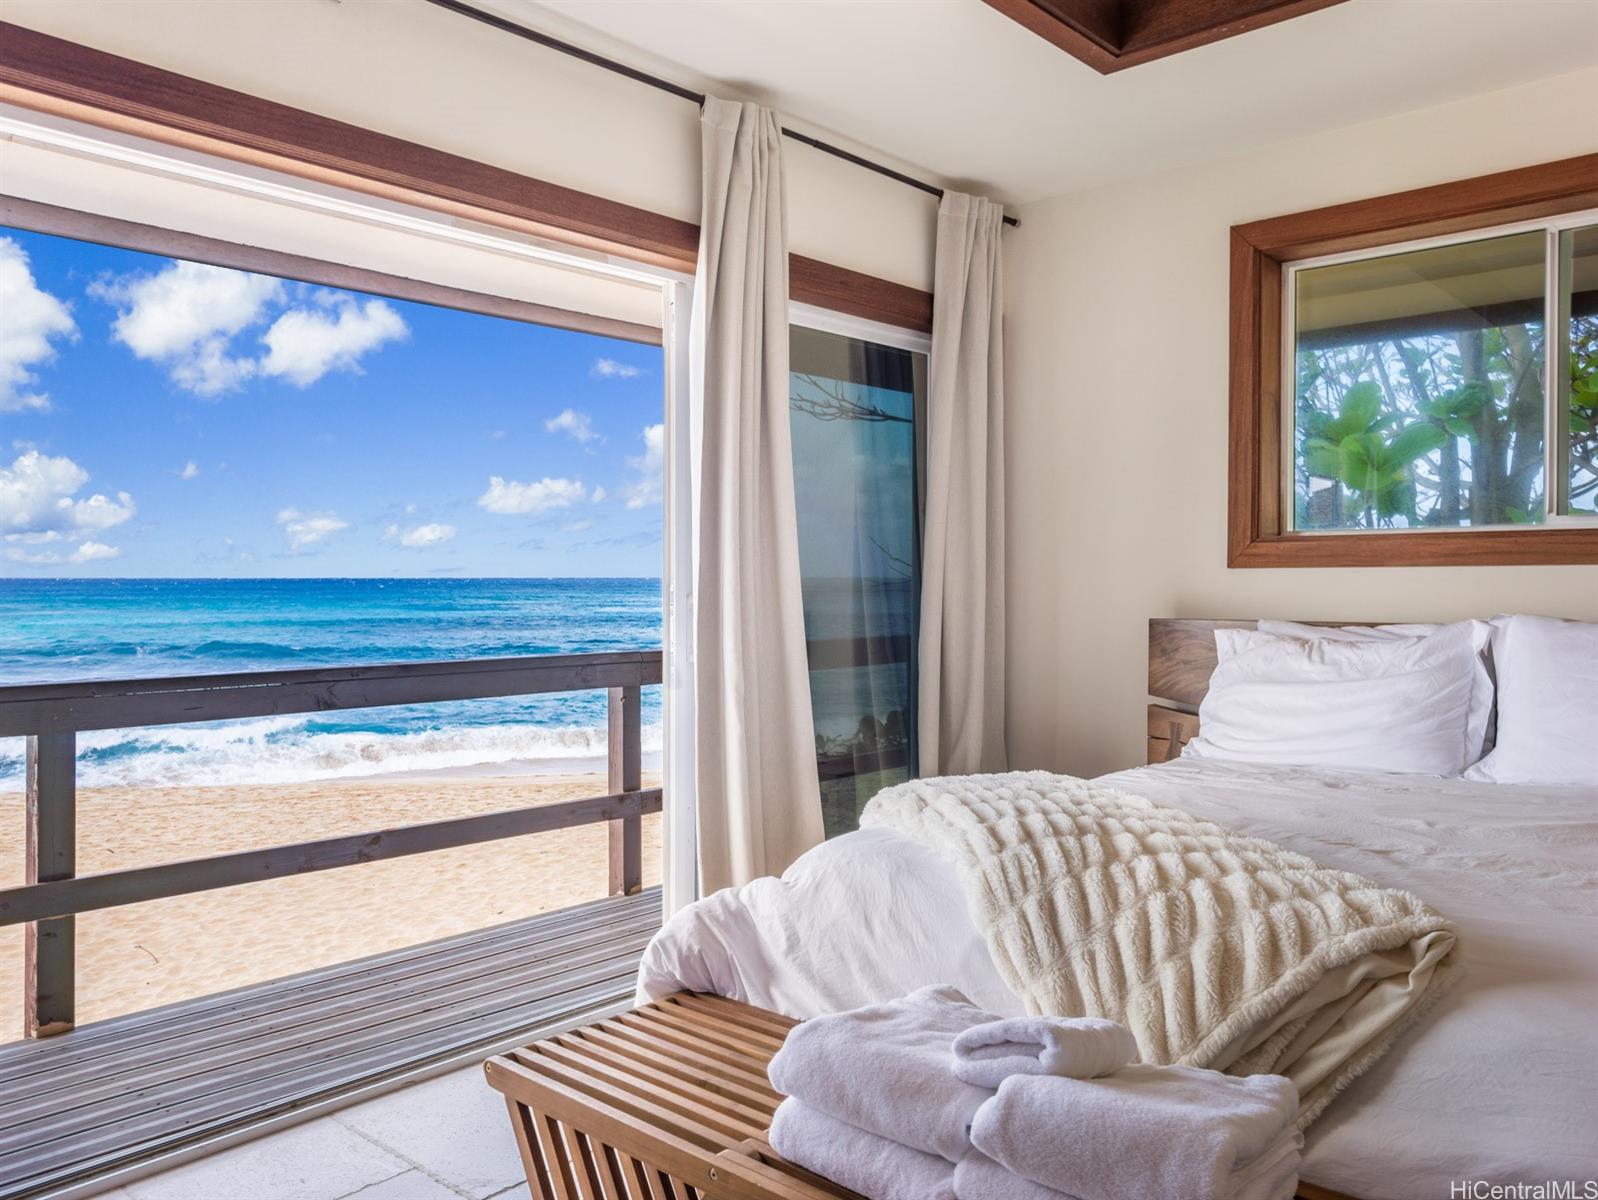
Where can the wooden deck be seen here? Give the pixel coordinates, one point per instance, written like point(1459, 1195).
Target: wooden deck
point(125, 1090)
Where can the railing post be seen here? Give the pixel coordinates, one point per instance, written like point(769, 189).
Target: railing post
point(51, 839)
point(626, 775)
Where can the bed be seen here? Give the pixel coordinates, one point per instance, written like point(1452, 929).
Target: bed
point(1498, 1083)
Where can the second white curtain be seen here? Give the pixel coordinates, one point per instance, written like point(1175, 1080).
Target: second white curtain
point(961, 692)
point(759, 804)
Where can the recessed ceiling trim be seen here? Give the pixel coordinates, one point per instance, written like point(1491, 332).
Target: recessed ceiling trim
point(1111, 35)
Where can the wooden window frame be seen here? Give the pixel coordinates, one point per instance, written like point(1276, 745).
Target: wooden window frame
point(1258, 528)
point(57, 221)
point(52, 75)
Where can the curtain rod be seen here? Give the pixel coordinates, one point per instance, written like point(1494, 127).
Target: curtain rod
point(676, 89)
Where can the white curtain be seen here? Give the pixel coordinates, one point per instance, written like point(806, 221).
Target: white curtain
point(759, 803)
point(961, 697)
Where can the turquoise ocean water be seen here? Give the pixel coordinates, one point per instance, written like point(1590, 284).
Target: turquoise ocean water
point(60, 630)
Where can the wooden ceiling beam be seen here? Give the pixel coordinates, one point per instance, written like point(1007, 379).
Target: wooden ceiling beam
point(1111, 35)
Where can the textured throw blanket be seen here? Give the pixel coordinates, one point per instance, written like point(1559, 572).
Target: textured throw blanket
point(1216, 950)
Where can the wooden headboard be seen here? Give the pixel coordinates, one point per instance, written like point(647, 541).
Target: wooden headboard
point(1181, 659)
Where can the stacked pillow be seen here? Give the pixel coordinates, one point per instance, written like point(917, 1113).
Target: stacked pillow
point(1409, 698)
point(1547, 703)
point(1365, 701)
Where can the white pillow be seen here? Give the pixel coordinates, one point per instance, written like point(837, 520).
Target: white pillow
point(1401, 704)
point(1547, 703)
point(1345, 633)
point(1482, 695)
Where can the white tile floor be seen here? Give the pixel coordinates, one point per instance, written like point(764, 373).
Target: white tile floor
point(441, 1139)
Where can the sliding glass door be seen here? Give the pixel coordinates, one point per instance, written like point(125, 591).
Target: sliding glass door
point(855, 409)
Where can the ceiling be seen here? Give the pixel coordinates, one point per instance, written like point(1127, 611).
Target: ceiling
point(960, 92)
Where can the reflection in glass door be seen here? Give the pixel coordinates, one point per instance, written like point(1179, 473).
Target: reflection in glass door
point(854, 408)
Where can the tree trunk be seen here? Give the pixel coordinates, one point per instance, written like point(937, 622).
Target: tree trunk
point(1448, 472)
point(1485, 468)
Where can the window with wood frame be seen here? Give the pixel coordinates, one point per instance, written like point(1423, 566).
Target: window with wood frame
point(1415, 377)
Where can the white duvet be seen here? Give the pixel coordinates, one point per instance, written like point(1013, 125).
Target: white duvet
point(1499, 1082)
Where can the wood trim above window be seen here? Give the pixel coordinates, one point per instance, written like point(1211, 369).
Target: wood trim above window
point(1258, 532)
point(50, 74)
point(172, 243)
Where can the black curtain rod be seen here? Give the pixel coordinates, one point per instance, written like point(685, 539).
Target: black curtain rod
point(676, 89)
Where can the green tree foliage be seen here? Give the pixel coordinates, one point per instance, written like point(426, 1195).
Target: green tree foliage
point(1584, 414)
point(1425, 430)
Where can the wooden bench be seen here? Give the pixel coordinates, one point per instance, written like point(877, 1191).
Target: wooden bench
point(666, 1102)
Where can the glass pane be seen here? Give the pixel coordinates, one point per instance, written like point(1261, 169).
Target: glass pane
point(1418, 398)
point(853, 410)
point(1578, 256)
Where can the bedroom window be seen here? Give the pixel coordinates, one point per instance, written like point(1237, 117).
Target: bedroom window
point(1418, 387)
point(855, 404)
point(1415, 382)
point(1577, 403)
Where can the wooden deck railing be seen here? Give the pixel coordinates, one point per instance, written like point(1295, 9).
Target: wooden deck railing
point(52, 716)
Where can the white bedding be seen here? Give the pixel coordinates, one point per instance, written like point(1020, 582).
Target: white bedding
point(1498, 1083)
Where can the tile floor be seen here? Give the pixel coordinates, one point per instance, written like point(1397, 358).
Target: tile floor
point(441, 1139)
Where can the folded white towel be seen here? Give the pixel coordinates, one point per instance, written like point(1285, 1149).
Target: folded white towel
point(1274, 1176)
point(978, 1177)
point(861, 1161)
point(1081, 1047)
point(1159, 1133)
point(885, 1069)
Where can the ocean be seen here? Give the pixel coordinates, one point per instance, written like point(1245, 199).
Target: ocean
point(57, 630)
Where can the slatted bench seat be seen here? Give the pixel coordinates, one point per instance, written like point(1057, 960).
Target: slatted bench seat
point(666, 1102)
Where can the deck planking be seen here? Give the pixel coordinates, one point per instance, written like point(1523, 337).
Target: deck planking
point(121, 1091)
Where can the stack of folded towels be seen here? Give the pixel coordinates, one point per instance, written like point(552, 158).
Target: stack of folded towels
point(931, 1098)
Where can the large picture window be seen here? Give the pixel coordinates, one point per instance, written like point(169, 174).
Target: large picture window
point(1415, 378)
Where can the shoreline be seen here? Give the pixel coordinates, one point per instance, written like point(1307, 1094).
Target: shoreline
point(585, 765)
point(161, 951)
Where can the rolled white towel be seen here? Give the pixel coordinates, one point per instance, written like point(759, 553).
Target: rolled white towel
point(1081, 1047)
point(1159, 1133)
point(861, 1161)
point(885, 1069)
point(978, 1177)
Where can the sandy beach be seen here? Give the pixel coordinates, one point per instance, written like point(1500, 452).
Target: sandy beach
point(155, 953)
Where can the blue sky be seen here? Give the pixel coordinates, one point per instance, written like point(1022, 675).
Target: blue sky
point(167, 419)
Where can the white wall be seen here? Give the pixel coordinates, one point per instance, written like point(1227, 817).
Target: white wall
point(418, 72)
point(1117, 309)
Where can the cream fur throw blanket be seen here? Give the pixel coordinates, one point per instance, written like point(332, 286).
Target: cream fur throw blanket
point(1215, 950)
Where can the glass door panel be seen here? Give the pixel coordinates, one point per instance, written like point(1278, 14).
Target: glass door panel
point(854, 409)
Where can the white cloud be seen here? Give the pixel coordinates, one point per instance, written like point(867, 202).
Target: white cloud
point(306, 529)
point(29, 318)
point(578, 425)
point(423, 536)
point(92, 551)
point(609, 368)
point(189, 471)
point(578, 526)
point(650, 465)
point(305, 344)
point(508, 496)
point(599, 495)
point(37, 501)
point(184, 317)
